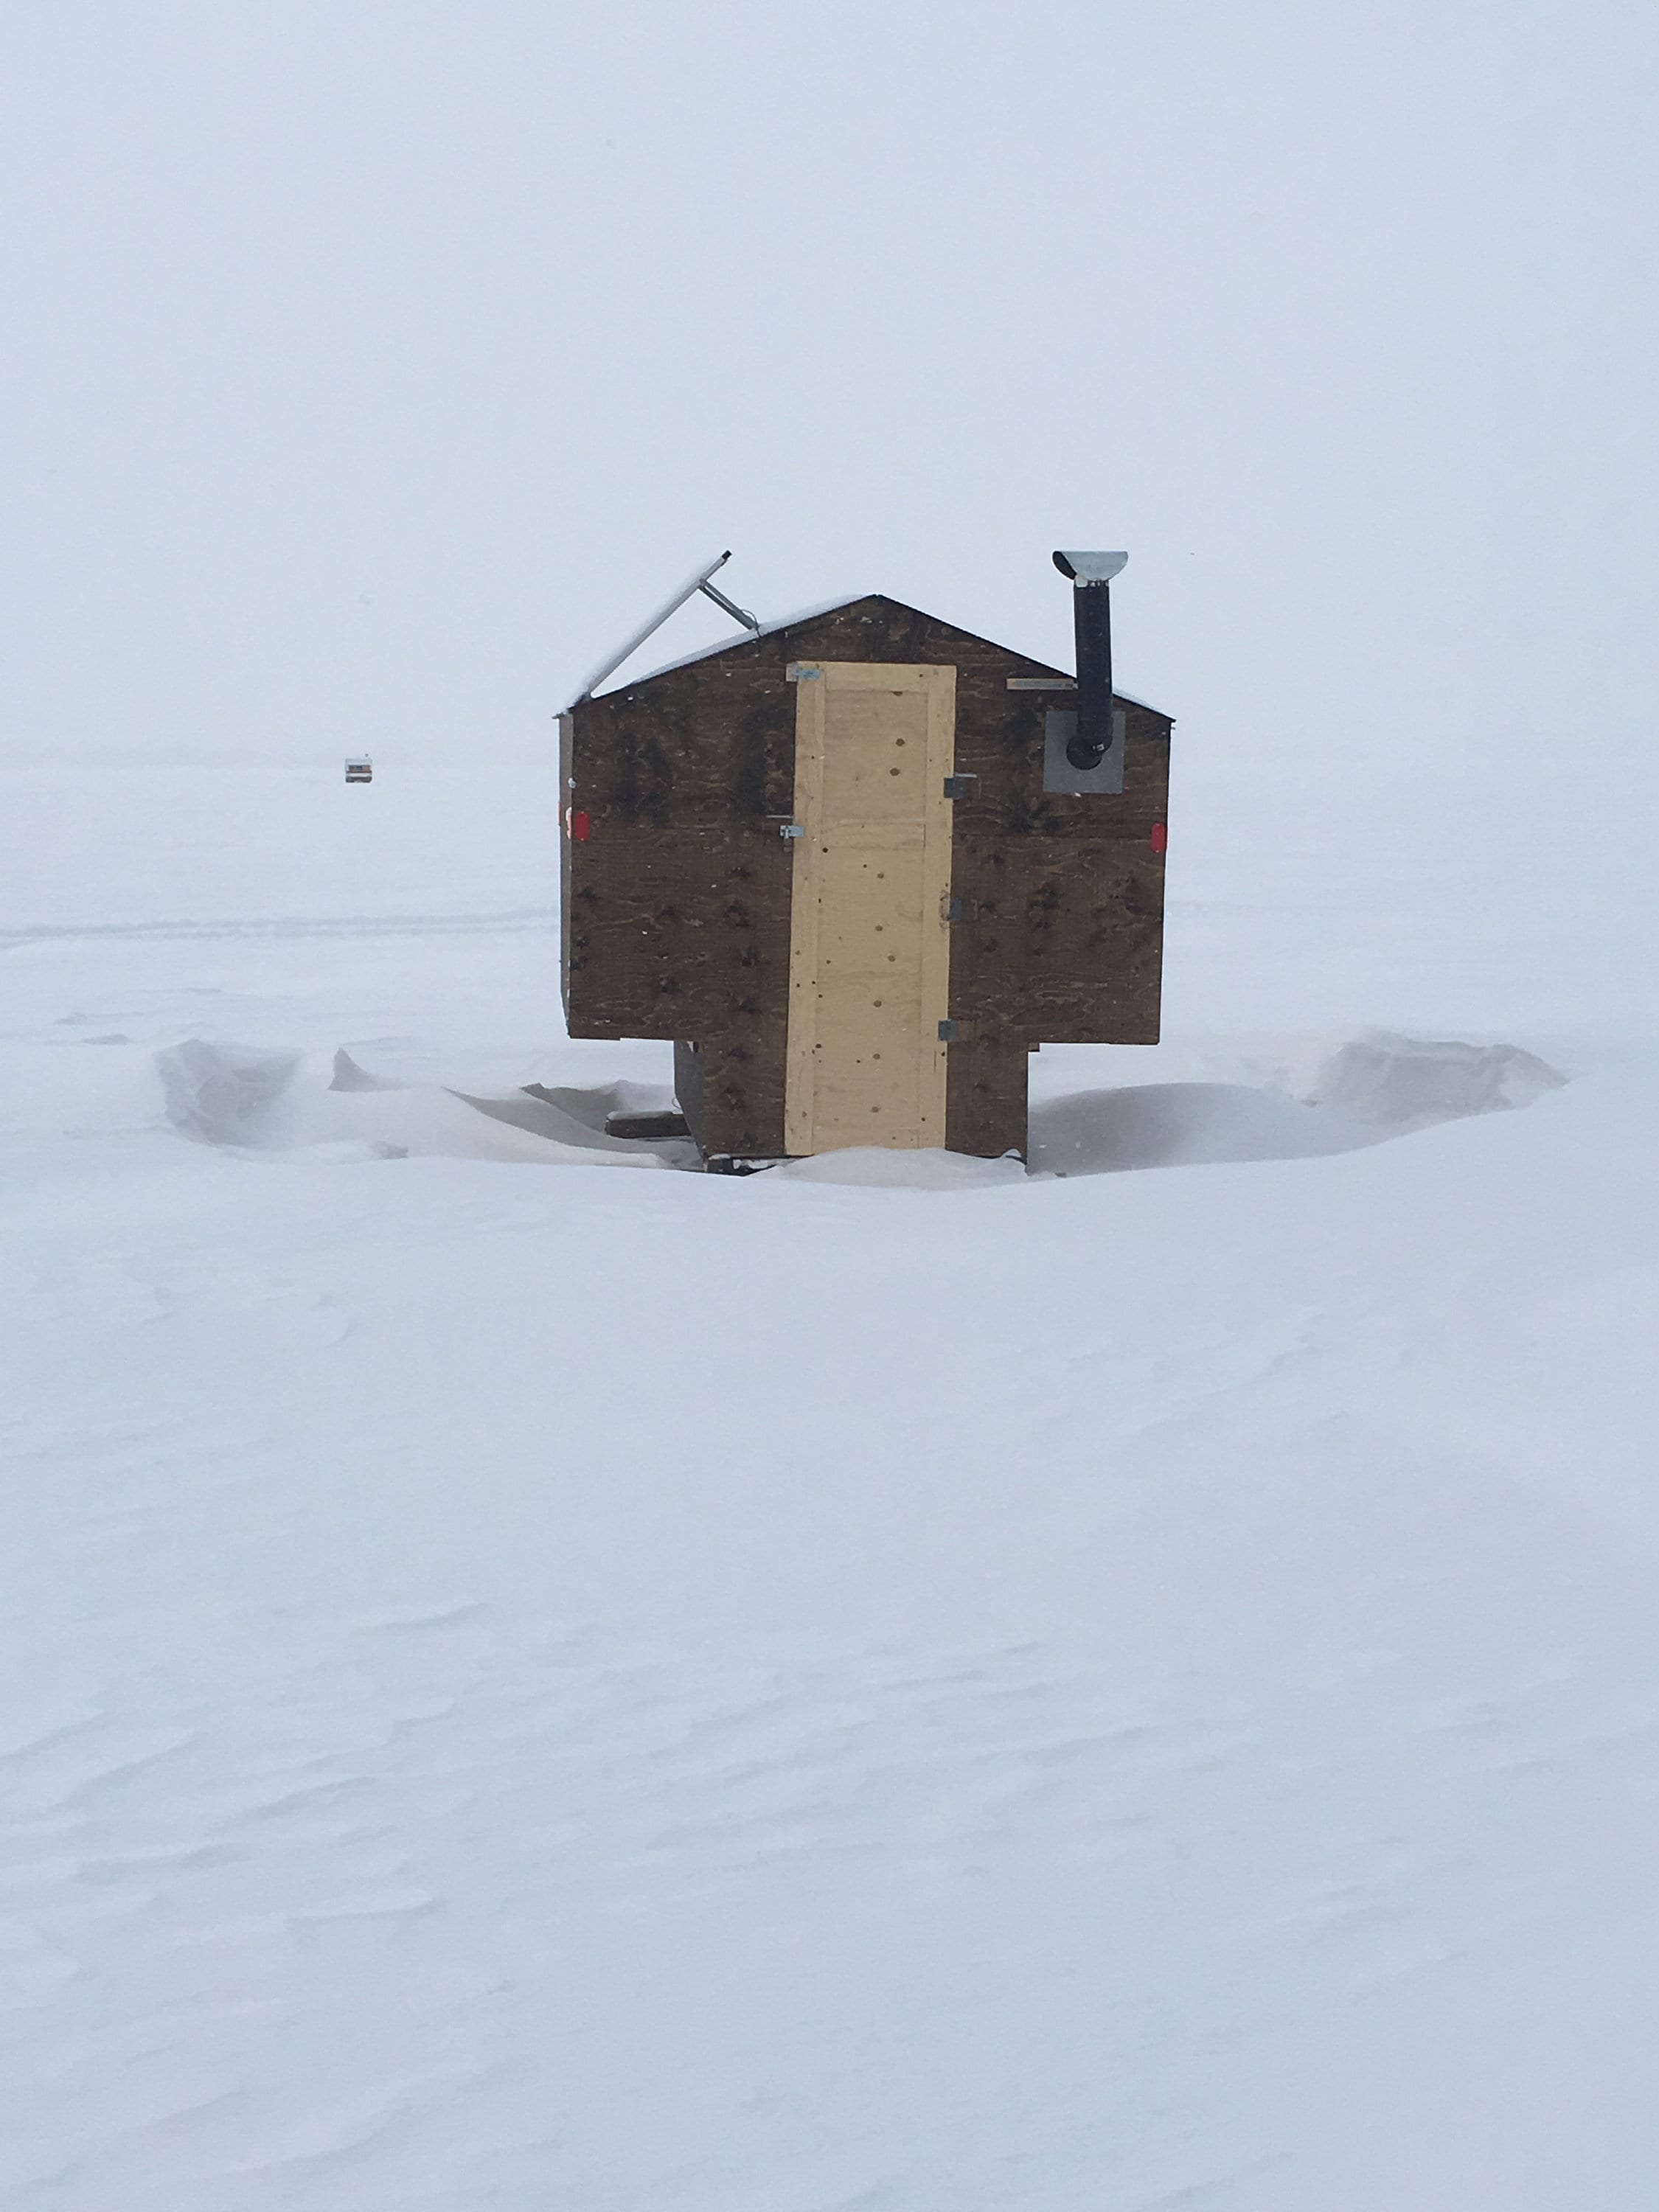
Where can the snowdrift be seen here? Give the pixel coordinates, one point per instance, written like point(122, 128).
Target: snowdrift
point(258, 1101)
point(1366, 1090)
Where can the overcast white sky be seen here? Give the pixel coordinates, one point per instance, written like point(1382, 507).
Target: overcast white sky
point(371, 364)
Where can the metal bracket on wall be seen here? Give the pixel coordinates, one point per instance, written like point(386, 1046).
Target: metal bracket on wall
point(793, 830)
point(802, 671)
point(949, 1032)
point(956, 786)
point(950, 908)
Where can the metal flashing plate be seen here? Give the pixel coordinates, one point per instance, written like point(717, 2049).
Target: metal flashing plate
point(1059, 727)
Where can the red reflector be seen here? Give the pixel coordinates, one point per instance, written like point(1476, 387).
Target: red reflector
point(1160, 836)
point(578, 825)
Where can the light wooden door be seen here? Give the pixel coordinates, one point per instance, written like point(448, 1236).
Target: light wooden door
point(870, 940)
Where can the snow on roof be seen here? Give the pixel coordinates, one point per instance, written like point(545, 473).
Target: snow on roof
point(787, 622)
point(737, 637)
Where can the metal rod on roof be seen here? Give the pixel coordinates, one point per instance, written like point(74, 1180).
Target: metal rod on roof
point(673, 607)
point(737, 613)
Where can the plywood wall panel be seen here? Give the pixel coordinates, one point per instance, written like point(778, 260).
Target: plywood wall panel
point(869, 962)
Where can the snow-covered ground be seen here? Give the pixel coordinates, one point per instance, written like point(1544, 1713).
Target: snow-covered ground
point(1135, 1685)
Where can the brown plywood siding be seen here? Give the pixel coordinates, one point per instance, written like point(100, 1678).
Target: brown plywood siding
point(1094, 904)
point(677, 905)
point(679, 919)
point(566, 741)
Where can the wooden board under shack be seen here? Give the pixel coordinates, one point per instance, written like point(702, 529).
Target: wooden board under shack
point(676, 888)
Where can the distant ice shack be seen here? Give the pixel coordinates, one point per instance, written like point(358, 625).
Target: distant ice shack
point(858, 864)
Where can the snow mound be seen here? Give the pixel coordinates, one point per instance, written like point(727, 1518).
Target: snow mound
point(1408, 1083)
point(333, 1110)
point(877, 1169)
point(1371, 1088)
point(220, 1093)
point(1161, 1124)
point(1368, 1089)
point(347, 1076)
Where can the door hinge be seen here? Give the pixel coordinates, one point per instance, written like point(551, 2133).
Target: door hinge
point(956, 786)
point(950, 908)
point(793, 830)
point(949, 1032)
point(802, 671)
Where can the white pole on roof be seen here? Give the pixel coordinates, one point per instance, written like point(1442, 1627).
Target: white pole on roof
point(698, 583)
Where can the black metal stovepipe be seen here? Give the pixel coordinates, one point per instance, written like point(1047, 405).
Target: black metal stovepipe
point(1091, 614)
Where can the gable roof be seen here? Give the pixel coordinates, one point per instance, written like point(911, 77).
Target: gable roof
point(619, 682)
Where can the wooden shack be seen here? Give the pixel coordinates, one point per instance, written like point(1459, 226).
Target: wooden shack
point(842, 865)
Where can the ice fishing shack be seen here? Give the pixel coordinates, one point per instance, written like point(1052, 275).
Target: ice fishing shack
point(858, 864)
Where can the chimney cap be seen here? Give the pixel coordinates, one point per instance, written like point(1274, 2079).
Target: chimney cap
point(1090, 567)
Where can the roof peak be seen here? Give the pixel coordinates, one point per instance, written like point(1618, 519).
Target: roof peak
point(735, 639)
